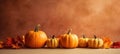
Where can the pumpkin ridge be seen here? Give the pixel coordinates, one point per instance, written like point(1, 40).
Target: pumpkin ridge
point(35, 38)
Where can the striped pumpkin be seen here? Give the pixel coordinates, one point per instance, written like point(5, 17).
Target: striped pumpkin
point(83, 42)
point(95, 42)
point(35, 38)
point(52, 42)
point(69, 40)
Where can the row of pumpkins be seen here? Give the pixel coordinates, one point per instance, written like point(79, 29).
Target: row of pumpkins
point(38, 39)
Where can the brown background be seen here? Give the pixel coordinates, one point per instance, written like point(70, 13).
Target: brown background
point(100, 17)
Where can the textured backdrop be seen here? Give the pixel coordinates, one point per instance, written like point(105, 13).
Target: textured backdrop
point(100, 17)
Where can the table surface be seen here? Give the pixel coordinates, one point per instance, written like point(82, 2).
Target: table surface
point(60, 51)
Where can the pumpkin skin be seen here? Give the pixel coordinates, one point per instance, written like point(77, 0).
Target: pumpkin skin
point(83, 42)
point(52, 42)
point(69, 40)
point(95, 42)
point(36, 38)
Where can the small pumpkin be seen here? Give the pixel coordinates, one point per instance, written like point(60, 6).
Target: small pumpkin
point(35, 38)
point(83, 42)
point(52, 42)
point(95, 42)
point(69, 40)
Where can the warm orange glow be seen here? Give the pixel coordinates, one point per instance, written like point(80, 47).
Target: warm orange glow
point(89, 17)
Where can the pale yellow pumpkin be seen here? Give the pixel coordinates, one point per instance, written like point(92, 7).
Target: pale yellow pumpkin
point(95, 42)
point(52, 42)
point(83, 42)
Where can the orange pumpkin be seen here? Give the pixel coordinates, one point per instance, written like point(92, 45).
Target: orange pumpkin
point(83, 42)
point(69, 40)
point(52, 42)
point(35, 38)
point(95, 42)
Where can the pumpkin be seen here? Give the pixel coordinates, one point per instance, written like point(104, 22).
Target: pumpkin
point(107, 42)
point(35, 38)
point(69, 40)
point(83, 42)
point(52, 42)
point(95, 42)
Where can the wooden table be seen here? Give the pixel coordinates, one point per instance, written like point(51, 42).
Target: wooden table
point(60, 51)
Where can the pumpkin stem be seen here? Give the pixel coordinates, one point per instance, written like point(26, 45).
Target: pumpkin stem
point(69, 31)
point(95, 36)
point(53, 36)
point(83, 36)
point(37, 28)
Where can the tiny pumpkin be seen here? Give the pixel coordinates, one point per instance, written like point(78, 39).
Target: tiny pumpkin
point(69, 40)
point(83, 42)
point(35, 38)
point(95, 42)
point(52, 42)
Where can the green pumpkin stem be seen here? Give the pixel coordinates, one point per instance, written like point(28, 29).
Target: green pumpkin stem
point(53, 36)
point(37, 28)
point(69, 31)
point(83, 36)
point(95, 36)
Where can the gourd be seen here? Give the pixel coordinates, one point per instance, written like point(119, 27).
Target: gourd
point(69, 40)
point(35, 38)
point(52, 42)
point(95, 42)
point(83, 42)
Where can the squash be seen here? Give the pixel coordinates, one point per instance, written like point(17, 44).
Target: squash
point(35, 38)
point(52, 42)
point(95, 42)
point(83, 42)
point(69, 40)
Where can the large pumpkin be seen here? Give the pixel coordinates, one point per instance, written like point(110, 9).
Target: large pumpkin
point(35, 38)
point(95, 42)
point(52, 42)
point(83, 42)
point(69, 40)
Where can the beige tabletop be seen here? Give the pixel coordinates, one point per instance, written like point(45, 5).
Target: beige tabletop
point(60, 51)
